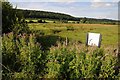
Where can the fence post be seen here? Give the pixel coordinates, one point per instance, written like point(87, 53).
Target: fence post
point(66, 41)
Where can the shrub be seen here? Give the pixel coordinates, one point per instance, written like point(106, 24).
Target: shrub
point(38, 32)
point(69, 28)
point(31, 21)
point(70, 63)
point(22, 57)
point(56, 31)
point(39, 21)
point(54, 22)
point(44, 21)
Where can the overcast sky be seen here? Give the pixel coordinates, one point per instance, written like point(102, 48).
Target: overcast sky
point(78, 8)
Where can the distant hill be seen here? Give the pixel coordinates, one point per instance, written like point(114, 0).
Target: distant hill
point(99, 21)
point(47, 15)
point(60, 16)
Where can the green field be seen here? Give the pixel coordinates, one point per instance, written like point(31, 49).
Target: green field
point(77, 32)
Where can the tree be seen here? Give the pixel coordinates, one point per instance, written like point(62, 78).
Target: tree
point(7, 17)
point(12, 19)
point(83, 20)
point(40, 21)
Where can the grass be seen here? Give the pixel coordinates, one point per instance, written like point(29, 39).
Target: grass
point(109, 32)
point(36, 20)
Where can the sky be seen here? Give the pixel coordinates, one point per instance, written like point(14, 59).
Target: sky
point(77, 8)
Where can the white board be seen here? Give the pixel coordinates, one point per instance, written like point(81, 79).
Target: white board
point(93, 39)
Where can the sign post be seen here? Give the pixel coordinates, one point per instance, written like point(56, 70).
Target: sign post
point(94, 39)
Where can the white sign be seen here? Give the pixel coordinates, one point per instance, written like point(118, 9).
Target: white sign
point(93, 39)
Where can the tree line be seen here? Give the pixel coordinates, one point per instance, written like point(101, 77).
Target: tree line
point(63, 17)
point(47, 15)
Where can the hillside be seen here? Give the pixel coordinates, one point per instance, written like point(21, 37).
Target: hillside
point(47, 15)
point(60, 16)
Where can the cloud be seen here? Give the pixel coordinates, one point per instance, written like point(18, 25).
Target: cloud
point(42, 0)
point(63, 0)
point(66, 0)
point(101, 4)
point(101, 17)
point(116, 0)
point(104, 0)
point(96, 0)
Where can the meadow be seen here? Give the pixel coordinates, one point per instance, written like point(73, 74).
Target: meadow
point(78, 32)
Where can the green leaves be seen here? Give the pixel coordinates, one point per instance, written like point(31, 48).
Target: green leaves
point(12, 20)
point(74, 64)
point(24, 55)
point(23, 58)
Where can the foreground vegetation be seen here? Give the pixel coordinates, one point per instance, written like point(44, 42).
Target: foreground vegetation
point(23, 58)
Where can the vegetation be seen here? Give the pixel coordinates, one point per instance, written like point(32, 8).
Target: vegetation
point(77, 32)
point(64, 18)
point(55, 50)
point(27, 60)
point(48, 15)
point(12, 20)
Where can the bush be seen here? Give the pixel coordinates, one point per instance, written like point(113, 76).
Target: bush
point(31, 21)
point(42, 21)
point(64, 62)
point(39, 21)
point(64, 21)
point(54, 22)
point(69, 28)
point(38, 32)
point(22, 57)
point(56, 31)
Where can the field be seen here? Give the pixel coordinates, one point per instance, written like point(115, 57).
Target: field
point(43, 53)
point(77, 32)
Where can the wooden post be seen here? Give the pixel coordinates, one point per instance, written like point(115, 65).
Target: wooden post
point(66, 41)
